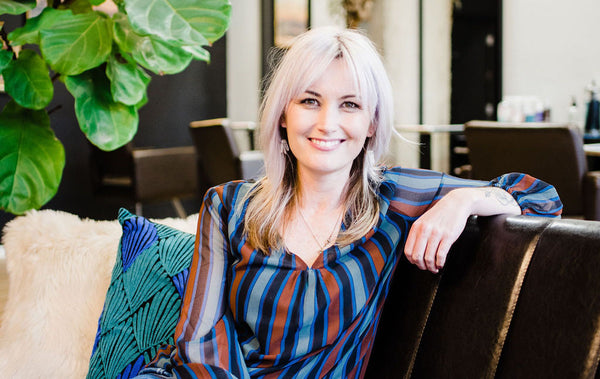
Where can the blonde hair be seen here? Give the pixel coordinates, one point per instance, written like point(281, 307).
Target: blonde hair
point(276, 193)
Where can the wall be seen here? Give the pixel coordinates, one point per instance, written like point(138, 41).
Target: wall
point(437, 50)
point(551, 50)
point(395, 29)
point(245, 60)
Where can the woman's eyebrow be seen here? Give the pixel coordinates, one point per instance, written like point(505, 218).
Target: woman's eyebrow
point(316, 94)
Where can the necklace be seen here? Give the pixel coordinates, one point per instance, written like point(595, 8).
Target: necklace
point(322, 247)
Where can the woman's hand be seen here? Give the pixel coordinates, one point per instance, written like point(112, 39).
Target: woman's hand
point(431, 236)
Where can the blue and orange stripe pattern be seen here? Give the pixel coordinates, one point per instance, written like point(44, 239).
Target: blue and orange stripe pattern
point(246, 314)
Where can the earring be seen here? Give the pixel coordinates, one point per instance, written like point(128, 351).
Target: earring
point(284, 147)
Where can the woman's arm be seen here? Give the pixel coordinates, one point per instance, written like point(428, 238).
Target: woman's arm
point(432, 234)
point(206, 343)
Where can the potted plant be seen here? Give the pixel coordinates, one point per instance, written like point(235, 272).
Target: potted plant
point(103, 59)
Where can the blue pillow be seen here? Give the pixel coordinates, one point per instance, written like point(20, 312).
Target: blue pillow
point(143, 300)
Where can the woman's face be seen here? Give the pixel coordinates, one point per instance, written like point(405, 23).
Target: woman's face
point(328, 124)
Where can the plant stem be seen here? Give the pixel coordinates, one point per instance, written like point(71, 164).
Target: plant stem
point(4, 37)
point(54, 109)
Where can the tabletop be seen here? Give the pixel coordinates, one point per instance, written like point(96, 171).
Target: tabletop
point(592, 149)
point(429, 129)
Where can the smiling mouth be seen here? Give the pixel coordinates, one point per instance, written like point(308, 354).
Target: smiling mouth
point(325, 143)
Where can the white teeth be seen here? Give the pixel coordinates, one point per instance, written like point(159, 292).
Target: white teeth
point(324, 143)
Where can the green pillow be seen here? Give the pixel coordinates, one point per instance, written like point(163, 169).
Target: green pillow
point(143, 300)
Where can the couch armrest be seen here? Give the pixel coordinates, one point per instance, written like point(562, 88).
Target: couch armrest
point(591, 195)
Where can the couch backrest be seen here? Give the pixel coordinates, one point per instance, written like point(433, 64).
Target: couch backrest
point(518, 298)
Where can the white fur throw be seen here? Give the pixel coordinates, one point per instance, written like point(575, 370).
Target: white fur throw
point(59, 269)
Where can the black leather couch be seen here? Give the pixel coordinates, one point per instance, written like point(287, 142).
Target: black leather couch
point(519, 298)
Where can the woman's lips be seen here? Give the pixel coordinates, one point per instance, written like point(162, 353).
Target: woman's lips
point(325, 144)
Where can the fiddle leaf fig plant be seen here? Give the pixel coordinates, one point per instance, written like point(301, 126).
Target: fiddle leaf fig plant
point(104, 60)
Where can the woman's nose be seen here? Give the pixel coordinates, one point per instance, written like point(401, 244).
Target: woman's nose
point(328, 118)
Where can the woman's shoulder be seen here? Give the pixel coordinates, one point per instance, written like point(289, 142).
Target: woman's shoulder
point(231, 192)
point(410, 177)
point(229, 199)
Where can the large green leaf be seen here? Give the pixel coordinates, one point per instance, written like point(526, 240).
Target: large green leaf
point(149, 51)
point(72, 44)
point(198, 52)
point(160, 57)
point(30, 32)
point(27, 81)
point(180, 22)
point(16, 6)
point(5, 58)
point(123, 33)
point(31, 159)
point(106, 123)
point(128, 82)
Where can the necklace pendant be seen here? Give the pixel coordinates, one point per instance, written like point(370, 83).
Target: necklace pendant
point(326, 244)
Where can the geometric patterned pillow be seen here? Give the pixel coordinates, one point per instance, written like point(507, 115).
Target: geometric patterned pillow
point(143, 300)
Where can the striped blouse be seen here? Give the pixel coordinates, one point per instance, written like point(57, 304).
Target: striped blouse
point(250, 315)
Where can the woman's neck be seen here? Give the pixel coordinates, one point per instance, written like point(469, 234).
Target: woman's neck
point(324, 192)
point(313, 222)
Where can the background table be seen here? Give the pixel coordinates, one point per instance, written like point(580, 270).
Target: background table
point(592, 152)
point(425, 132)
point(592, 149)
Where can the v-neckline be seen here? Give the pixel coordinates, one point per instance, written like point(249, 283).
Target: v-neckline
point(301, 264)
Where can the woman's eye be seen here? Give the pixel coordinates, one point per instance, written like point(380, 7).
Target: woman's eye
point(309, 101)
point(351, 105)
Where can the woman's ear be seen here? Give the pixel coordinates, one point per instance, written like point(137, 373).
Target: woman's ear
point(371, 130)
point(282, 121)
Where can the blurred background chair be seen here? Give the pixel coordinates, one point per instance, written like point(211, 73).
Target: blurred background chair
point(148, 175)
point(550, 152)
point(219, 157)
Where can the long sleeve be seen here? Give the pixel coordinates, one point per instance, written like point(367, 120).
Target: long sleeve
point(535, 197)
point(415, 191)
point(205, 338)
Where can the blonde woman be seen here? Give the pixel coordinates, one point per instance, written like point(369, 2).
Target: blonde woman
point(291, 272)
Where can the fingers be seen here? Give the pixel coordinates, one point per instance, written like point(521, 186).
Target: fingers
point(431, 253)
point(443, 251)
point(427, 248)
point(414, 244)
point(433, 233)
